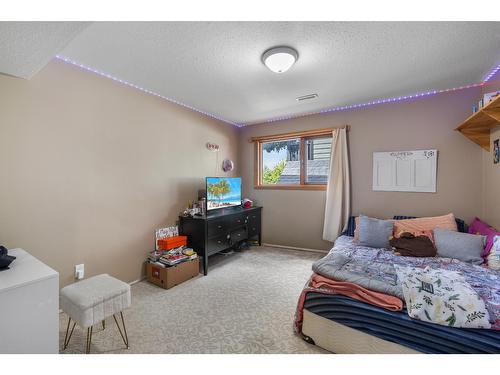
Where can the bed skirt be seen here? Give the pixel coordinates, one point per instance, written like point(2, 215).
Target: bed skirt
point(340, 339)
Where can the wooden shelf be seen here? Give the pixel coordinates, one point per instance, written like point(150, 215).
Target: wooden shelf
point(477, 127)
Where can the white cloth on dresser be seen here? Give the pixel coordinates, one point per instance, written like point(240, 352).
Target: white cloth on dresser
point(90, 301)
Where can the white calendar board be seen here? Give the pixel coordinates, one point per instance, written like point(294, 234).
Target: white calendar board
point(405, 171)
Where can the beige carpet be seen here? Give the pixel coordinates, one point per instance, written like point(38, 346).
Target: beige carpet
point(246, 304)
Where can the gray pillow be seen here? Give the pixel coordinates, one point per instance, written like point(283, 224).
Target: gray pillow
point(374, 232)
point(462, 246)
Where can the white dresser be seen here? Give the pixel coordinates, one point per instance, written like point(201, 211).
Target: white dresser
point(29, 306)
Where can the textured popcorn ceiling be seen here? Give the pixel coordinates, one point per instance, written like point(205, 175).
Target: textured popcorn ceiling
point(216, 67)
point(26, 47)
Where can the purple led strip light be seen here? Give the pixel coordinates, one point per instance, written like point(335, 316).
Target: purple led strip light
point(491, 74)
point(282, 118)
point(69, 61)
point(384, 101)
point(375, 102)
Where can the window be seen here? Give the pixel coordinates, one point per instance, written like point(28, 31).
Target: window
point(293, 161)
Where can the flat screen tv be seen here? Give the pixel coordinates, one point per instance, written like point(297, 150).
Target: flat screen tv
point(223, 192)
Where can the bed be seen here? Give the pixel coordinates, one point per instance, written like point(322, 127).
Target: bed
point(342, 324)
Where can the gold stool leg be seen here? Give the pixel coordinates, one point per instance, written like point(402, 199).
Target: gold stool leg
point(124, 328)
point(124, 337)
point(89, 339)
point(66, 338)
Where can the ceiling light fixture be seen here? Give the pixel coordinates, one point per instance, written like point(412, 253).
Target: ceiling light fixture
point(279, 59)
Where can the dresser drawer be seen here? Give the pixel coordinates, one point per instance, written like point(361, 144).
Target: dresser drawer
point(217, 228)
point(238, 235)
point(254, 219)
point(217, 244)
point(239, 220)
point(255, 215)
point(253, 229)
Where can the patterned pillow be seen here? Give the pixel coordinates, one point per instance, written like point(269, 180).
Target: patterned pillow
point(494, 255)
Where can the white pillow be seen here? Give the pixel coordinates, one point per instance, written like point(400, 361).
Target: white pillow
point(494, 255)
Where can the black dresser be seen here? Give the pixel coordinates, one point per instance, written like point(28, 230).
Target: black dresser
point(220, 230)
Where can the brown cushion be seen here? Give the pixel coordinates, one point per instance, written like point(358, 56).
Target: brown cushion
point(409, 245)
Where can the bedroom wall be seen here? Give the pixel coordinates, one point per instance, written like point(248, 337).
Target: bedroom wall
point(295, 218)
point(89, 168)
point(491, 171)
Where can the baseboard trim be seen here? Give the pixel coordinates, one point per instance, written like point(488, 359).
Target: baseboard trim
point(296, 248)
point(137, 281)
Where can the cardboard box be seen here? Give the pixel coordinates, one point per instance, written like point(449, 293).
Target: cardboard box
point(170, 243)
point(169, 277)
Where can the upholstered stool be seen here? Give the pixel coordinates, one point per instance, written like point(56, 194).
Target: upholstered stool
point(91, 301)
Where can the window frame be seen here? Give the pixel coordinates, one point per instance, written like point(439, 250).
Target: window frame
point(303, 136)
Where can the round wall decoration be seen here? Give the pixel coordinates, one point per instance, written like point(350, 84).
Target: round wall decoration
point(227, 165)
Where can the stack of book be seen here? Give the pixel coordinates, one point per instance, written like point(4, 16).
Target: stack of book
point(154, 256)
point(171, 257)
point(171, 249)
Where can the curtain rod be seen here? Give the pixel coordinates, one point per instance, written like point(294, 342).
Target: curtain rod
point(306, 133)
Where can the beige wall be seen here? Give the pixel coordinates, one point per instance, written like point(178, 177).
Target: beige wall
point(491, 172)
point(295, 218)
point(89, 168)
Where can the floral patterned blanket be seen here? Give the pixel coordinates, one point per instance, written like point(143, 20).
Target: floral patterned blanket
point(374, 269)
point(442, 297)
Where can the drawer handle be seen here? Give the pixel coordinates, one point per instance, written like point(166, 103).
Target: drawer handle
point(239, 221)
point(239, 234)
point(253, 228)
point(219, 242)
point(220, 226)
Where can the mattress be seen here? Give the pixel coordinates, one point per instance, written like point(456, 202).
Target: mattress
point(399, 328)
point(340, 339)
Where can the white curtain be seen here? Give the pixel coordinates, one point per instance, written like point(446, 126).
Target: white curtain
point(338, 191)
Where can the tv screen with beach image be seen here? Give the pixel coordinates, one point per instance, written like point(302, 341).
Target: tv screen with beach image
point(223, 192)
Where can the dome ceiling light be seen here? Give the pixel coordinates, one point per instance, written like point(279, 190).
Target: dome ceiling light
point(280, 59)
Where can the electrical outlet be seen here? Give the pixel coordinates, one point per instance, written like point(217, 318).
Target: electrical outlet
point(79, 271)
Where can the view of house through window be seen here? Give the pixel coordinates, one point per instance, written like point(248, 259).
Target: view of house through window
point(281, 161)
point(318, 160)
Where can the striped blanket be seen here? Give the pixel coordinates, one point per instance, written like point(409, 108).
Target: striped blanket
point(320, 284)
